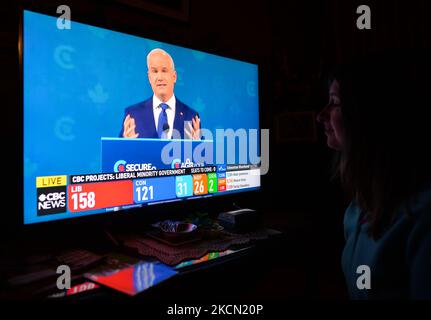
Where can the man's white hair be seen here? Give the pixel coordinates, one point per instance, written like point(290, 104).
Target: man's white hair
point(158, 50)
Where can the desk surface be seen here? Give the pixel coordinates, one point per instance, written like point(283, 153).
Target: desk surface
point(211, 275)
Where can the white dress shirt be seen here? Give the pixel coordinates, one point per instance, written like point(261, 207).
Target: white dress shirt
point(170, 112)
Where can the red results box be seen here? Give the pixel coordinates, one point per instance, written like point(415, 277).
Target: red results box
point(92, 196)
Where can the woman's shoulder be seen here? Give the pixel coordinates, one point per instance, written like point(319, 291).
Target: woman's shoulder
point(419, 206)
point(420, 219)
point(351, 217)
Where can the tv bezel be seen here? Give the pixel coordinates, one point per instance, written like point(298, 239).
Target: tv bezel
point(147, 213)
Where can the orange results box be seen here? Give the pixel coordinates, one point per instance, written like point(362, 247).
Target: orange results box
point(200, 184)
point(222, 184)
point(92, 196)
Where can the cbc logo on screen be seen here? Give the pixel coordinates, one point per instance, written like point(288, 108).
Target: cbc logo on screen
point(51, 200)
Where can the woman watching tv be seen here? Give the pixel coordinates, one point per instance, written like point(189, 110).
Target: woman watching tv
point(377, 122)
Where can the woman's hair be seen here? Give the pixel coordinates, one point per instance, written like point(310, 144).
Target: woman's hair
point(384, 162)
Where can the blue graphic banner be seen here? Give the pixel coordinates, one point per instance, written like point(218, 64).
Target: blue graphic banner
point(120, 154)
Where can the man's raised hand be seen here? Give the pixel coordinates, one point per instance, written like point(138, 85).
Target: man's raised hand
point(129, 127)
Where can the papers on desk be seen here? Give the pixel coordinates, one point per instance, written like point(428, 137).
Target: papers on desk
point(134, 278)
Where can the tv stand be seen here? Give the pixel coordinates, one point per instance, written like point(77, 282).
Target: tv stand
point(38, 277)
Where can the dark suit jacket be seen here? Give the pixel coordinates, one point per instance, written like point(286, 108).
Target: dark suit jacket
point(142, 112)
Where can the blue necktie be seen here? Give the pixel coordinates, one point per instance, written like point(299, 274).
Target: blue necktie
point(162, 124)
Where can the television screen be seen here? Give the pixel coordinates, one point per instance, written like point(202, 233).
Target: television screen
point(114, 121)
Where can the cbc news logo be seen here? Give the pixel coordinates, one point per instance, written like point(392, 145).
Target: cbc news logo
point(51, 200)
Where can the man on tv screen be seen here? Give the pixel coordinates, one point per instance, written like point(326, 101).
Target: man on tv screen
point(163, 113)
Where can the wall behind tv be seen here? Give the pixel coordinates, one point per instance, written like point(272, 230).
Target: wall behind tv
point(294, 43)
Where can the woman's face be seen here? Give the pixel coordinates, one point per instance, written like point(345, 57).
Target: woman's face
point(331, 118)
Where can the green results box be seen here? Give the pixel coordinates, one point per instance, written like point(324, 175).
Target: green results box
point(212, 182)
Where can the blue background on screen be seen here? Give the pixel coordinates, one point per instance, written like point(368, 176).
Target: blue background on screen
point(78, 82)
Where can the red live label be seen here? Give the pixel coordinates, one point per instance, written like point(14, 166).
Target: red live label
point(92, 196)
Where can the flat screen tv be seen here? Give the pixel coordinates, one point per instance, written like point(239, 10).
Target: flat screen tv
point(114, 121)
